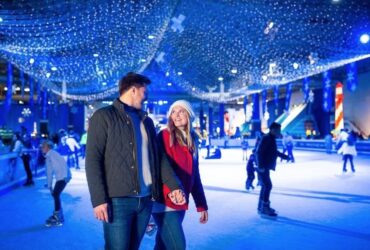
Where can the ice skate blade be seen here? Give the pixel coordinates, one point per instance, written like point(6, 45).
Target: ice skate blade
point(54, 225)
point(269, 217)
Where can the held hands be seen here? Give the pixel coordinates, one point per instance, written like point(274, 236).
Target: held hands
point(177, 197)
point(203, 217)
point(101, 212)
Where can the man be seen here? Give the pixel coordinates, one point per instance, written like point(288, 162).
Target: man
point(124, 168)
point(26, 156)
point(267, 154)
point(74, 147)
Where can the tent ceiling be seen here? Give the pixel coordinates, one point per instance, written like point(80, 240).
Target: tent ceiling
point(214, 50)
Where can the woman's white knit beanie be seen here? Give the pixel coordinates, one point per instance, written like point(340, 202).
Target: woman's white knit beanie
point(184, 104)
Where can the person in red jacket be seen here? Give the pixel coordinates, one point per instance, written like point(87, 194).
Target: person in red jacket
point(179, 142)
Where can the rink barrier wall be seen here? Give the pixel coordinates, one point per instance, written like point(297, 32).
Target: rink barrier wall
point(12, 173)
point(362, 147)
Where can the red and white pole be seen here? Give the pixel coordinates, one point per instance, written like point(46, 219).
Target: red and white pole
point(339, 122)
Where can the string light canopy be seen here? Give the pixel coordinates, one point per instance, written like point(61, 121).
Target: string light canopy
point(83, 45)
point(214, 50)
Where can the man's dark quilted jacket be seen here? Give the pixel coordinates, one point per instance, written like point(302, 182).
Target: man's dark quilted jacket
point(111, 168)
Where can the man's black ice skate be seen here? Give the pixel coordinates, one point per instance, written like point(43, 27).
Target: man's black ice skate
point(56, 220)
point(53, 222)
point(266, 211)
point(29, 183)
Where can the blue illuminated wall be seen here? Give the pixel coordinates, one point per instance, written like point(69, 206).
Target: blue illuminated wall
point(356, 105)
point(321, 116)
point(60, 116)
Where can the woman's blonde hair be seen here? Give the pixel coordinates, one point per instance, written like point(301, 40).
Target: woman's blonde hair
point(177, 136)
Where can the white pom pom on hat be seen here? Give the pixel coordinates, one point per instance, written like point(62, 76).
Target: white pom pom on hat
point(184, 104)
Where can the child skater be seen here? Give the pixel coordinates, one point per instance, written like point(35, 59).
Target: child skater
point(348, 149)
point(250, 171)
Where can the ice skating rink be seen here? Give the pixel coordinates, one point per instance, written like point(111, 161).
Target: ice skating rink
point(319, 208)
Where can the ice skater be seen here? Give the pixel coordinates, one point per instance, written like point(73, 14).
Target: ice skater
point(328, 143)
point(26, 156)
point(267, 154)
point(215, 153)
point(348, 149)
point(245, 146)
point(288, 145)
point(250, 171)
point(55, 166)
point(74, 148)
point(341, 138)
point(18, 148)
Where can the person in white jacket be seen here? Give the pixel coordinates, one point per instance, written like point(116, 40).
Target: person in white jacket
point(74, 148)
point(348, 149)
point(55, 166)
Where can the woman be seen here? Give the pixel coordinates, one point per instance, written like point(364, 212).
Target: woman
point(348, 149)
point(179, 143)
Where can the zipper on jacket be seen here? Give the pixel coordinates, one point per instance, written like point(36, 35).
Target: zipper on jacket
point(134, 153)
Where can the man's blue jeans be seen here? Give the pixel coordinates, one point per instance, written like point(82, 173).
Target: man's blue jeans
point(170, 234)
point(128, 218)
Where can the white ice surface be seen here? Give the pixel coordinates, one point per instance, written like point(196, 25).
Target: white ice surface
point(319, 208)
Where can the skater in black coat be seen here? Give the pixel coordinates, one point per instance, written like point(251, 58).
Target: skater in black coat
point(267, 154)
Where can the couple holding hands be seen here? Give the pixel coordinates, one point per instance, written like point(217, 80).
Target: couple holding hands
point(133, 173)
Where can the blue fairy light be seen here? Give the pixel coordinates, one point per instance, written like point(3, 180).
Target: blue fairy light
point(251, 44)
point(364, 38)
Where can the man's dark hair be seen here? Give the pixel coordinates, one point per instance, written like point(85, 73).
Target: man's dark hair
point(275, 125)
point(132, 79)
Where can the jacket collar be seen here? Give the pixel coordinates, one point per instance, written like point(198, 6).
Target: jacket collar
point(272, 136)
point(121, 107)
